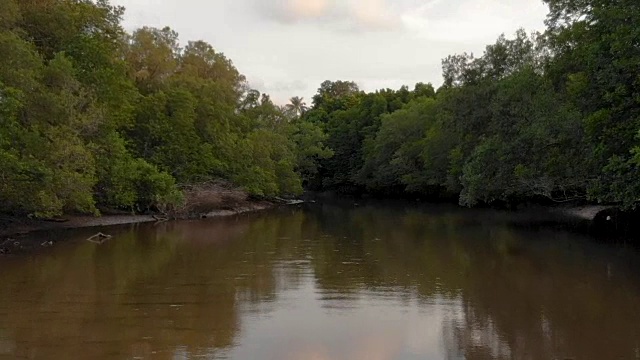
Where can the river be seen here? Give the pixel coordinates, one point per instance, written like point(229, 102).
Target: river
point(324, 281)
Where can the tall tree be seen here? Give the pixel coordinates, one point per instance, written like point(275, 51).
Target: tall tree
point(597, 47)
point(297, 106)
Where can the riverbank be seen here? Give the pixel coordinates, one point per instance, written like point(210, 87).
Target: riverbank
point(606, 222)
point(19, 235)
point(202, 201)
point(13, 225)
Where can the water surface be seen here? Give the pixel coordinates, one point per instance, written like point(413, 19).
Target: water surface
point(324, 282)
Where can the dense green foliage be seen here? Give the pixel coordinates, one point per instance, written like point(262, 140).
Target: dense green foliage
point(91, 116)
point(551, 116)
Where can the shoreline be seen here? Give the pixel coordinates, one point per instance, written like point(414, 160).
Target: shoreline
point(17, 234)
point(13, 228)
point(16, 226)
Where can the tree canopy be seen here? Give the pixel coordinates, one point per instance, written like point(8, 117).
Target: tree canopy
point(551, 116)
point(94, 117)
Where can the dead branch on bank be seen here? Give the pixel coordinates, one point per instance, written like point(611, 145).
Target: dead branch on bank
point(160, 219)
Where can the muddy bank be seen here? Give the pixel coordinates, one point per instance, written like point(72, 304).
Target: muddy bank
point(11, 226)
point(217, 199)
point(19, 235)
point(202, 201)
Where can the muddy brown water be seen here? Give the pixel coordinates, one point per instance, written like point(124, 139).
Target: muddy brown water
point(324, 282)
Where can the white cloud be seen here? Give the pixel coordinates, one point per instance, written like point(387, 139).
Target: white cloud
point(479, 21)
point(288, 47)
point(292, 11)
point(374, 14)
point(307, 8)
point(353, 15)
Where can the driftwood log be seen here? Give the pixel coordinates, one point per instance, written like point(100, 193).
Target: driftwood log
point(99, 238)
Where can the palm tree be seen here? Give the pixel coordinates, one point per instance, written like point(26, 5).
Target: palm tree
point(297, 106)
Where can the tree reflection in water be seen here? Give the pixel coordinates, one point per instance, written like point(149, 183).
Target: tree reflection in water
point(325, 282)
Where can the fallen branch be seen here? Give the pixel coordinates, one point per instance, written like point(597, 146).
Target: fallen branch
point(99, 238)
point(287, 201)
point(160, 218)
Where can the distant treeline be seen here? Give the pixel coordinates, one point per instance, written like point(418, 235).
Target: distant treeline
point(551, 117)
point(94, 117)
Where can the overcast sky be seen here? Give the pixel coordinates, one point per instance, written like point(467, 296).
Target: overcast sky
point(288, 47)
